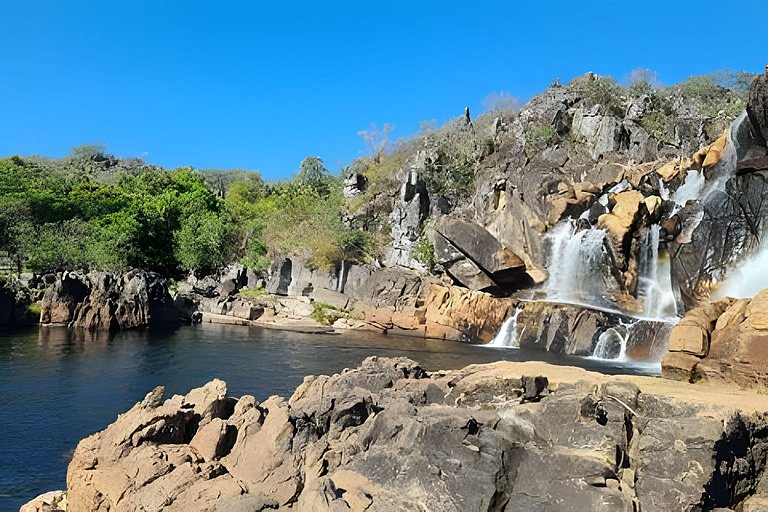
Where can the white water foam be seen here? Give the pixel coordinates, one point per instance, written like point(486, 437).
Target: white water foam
point(611, 345)
point(576, 262)
point(691, 190)
point(655, 279)
point(745, 281)
point(507, 335)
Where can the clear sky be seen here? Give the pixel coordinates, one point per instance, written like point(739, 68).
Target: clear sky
point(260, 85)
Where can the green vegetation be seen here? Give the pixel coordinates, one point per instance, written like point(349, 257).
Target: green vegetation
point(711, 98)
point(34, 309)
point(424, 252)
point(539, 137)
point(325, 314)
point(91, 210)
point(252, 293)
point(602, 91)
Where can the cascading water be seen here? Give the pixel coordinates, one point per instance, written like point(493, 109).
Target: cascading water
point(747, 279)
point(507, 335)
point(691, 190)
point(655, 278)
point(611, 345)
point(576, 263)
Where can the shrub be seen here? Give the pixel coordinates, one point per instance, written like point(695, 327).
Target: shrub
point(424, 252)
point(35, 309)
point(601, 90)
point(539, 137)
point(642, 81)
point(325, 314)
point(711, 98)
point(201, 242)
point(654, 122)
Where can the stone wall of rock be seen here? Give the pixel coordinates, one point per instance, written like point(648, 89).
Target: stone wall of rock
point(108, 301)
point(390, 436)
point(724, 341)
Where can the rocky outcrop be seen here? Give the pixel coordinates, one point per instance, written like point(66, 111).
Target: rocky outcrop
point(107, 301)
point(726, 226)
point(7, 307)
point(53, 501)
point(408, 213)
point(354, 184)
point(390, 436)
point(725, 341)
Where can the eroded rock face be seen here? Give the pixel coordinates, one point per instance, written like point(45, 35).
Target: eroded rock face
point(106, 301)
point(390, 436)
point(724, 341)
point(408, 212)
point(727, 226)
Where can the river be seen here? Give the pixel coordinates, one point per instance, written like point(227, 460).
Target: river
point(59, 385)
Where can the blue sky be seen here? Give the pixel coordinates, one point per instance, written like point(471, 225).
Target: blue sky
point(260, 85)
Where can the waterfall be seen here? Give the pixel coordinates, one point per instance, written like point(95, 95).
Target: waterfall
point(691, 190)
point(507, 335)
point(611, 345)
point(655, 278)
point(576, 263)
point(750, 277)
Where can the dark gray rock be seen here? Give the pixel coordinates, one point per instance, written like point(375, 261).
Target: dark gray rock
point(7, 307)
point(757, 108)
point(475, 258)
point(107, 301)
point(354, 184)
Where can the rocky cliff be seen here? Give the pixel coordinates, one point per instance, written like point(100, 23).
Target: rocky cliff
point(390, 436)
point(106, 301)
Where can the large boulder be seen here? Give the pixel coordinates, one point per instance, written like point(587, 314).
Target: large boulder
point(292, 276)
point(7, 307)
point(107, 301)
point(725, 227)
point(475, 258)
point(390, 436)
point(723, 341)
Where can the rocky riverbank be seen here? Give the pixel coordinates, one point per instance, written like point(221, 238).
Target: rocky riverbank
point(390, 436)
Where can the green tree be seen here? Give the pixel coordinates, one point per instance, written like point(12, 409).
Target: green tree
point(313, 174)
point(201, 242)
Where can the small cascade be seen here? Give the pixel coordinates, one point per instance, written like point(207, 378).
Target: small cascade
point(576, 263)
point(507, 335)
point(611, 345)
point(655, 278)
point(691, 190)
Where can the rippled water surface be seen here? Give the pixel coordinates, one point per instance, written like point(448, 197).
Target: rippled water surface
point(58, 385)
